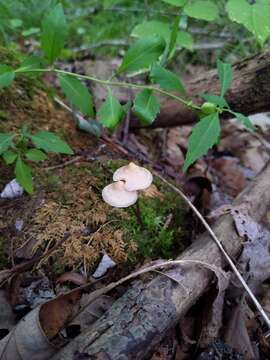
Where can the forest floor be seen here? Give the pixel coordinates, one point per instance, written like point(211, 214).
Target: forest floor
point(67, 228)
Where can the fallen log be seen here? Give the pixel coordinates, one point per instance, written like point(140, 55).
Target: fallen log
point(249, 93)
point(137, 321)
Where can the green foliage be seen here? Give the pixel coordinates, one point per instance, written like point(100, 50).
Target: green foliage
point(7, 75)
point(9, 157)
point(166, 79)
point(201, 9)
point(146, 106)
point(31, 62)
point(5, 141)
point(244, 120)
point(50, 142)
point(204, 135)
point(142, 54)
point(35, 155)
point(156, 45)
point(225, 76)
point(254, 16)
point(216, 100)
point(54, 31)
point(24, 175)
point(178, 3)
point(77, 93)
point(163, 29)
point(17, 148)
point(111, 112)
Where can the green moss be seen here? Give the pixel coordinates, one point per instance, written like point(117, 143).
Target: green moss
point(19, 96)
point(164, 233)
point(165, 227)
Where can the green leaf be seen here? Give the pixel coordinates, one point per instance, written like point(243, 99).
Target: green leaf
point(31, 31)
point(9, 157)
point(142, 54)
point(215, 99)
point(111, 112)
point(54, 31)
point(162, 29)
point(50, 142)
point(202, 9)
point(5, 141)
point(204, 135)
point(225, 74)
point(77, 93)
point(24, 175)
point(171, 44)
point(31, 62)
point(7, 75)
point(35, 155)
point(185, 40)
point(166, 79)
point(146, 106)
point(255, 17)
point(178, 3)
point(244, 120)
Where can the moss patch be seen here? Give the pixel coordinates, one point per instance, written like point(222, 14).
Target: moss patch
point(72, 205)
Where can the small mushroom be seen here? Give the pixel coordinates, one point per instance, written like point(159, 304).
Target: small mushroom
point(134, 176)
point(116, 195)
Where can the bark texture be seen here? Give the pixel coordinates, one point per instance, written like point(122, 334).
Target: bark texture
point(249, 93)
point(137, 321)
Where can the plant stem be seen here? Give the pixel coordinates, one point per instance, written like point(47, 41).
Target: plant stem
point(187, 103)
point(138, 214)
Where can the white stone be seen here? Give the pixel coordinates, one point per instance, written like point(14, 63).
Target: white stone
point(105, 264)
point(12, 190)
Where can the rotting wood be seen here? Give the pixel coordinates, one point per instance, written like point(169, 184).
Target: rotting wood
point(249, 93)
point(137, 321)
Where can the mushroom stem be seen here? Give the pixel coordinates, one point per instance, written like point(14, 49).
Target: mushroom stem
point(138, 214)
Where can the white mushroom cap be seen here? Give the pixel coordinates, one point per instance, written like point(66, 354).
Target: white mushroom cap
point(135, 177)
point(116, 195)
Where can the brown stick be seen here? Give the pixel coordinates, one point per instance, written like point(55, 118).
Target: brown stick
point(139, 320)
point(249, 93)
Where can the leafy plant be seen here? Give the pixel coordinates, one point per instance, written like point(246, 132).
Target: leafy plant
point(149, 53)
point(25, 148)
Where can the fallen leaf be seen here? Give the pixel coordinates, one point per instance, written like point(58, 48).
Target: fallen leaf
point(27, 341)
point(73, 277)
point(236, 334)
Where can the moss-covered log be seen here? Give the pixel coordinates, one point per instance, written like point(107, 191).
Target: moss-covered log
point(141, 318)
point(249, 93)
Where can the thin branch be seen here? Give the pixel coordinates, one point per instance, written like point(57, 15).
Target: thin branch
point(123, 84)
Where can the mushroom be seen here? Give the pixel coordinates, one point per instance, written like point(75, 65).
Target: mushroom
point(116, 195)
point(134, 176)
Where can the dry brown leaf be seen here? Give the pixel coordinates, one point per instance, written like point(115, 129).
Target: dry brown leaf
point(27, 341)
point(73, 277)
point(237, 336)
point(152, 192)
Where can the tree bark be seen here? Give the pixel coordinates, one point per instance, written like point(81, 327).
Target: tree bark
point(137, 321)
point(249, 93)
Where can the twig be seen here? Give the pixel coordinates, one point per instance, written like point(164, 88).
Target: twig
point(66, 163)
point(222, 249)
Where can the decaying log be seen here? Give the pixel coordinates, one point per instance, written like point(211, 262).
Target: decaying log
point(137, 321)
point(249, 93)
